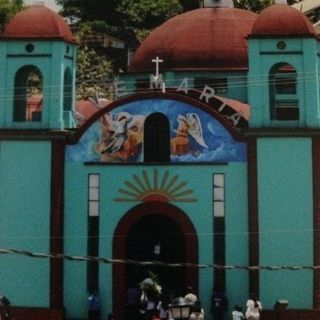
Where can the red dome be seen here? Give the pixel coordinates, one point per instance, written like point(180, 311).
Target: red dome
point(282, 20)
point(38, 22)
point(207, 38)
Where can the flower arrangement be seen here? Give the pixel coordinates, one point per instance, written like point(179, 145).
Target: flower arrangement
point(151, 286)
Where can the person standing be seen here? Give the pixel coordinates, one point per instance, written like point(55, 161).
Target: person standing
point(254, 308)
point(132, 303)
point(148, 304)
point(219, 305)
point(191, 296)
point(163, 307)
point(93, 306)
point(237, 313)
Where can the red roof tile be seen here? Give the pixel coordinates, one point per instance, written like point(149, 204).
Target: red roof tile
point(281, 19)
point(207, 38)
point(38, 22)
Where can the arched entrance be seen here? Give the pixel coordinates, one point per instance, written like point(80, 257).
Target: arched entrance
point(138, 236)
point(156, 238)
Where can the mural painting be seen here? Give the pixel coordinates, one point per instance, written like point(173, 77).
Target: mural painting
point(195, 136)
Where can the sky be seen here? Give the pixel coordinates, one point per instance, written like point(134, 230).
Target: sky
point(48, 3)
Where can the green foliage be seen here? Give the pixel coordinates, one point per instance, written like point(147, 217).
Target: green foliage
point(71, 9)
point(252, 5)
point(94, 71)
point(258, 5)
point(188, 5)
point(148, 14)
point(94, 74)
point(90, 10)
point(117, 12)
point(313, 15)
point(8, 8)
point(123, 18)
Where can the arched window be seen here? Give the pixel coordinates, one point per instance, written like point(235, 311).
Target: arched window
point(67, 90)
point(284, 103)
point(156, 138)
point(27, 105)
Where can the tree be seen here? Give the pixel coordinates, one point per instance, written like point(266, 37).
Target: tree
point(125, 12)
point(94, 74)
point(90, 10)
point(94, 71)
point(8, 8)
point(313, 15)
point(188, 5)
point(252, 5)
point(124, 19)
point(148, 14)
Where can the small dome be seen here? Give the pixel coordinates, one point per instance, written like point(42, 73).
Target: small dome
point(282, 20)
point(206, 38)
point(38, 22)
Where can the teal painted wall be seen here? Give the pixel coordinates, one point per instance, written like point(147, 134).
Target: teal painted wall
point(237, 252)
point(25, 220)
point(285, 219)
point(198, 178)
point(75, 285)
point(237, 81)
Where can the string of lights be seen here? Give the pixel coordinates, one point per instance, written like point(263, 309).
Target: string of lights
point(111, 92)
point(199, 234)
point(244, 80)
point(155, 263)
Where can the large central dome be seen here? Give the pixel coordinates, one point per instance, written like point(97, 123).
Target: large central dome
point(207, 38)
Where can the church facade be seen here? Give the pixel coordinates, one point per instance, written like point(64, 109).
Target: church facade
point(205, 171)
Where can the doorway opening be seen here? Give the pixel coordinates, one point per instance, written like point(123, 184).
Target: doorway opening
point(156, 238)
point(154, 231)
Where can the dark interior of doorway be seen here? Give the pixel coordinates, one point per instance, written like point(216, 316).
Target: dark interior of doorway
point(157, 238)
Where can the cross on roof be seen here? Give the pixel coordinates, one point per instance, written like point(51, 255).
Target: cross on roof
point(157, 60)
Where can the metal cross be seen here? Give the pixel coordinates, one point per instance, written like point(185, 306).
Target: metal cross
point(157, 60)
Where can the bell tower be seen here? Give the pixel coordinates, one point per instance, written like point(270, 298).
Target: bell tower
point(38, 53)
point(283, 86)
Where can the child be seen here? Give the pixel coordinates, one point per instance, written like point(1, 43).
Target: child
point(197, 313)
point(237, 313)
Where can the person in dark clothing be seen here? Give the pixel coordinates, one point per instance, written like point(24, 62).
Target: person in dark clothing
point(219, 305)
point(94, 312)
point(132, 303)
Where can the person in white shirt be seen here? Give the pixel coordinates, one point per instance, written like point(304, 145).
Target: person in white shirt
point(237, 313)
point(254, 308)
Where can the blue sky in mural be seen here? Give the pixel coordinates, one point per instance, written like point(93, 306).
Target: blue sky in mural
point(210, 143)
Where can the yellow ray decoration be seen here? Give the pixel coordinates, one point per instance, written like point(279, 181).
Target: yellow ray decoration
point(155, 187)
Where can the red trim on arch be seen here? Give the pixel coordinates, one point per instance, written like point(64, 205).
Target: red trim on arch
point(119, 245)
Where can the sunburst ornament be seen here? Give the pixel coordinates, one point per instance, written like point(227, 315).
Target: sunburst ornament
point(155, 187)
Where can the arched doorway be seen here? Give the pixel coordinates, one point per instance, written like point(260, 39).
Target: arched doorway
point(137, 237)
point(156, 238)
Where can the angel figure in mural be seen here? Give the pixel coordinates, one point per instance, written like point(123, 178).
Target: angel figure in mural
point(121, 137)
point(189, 125)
